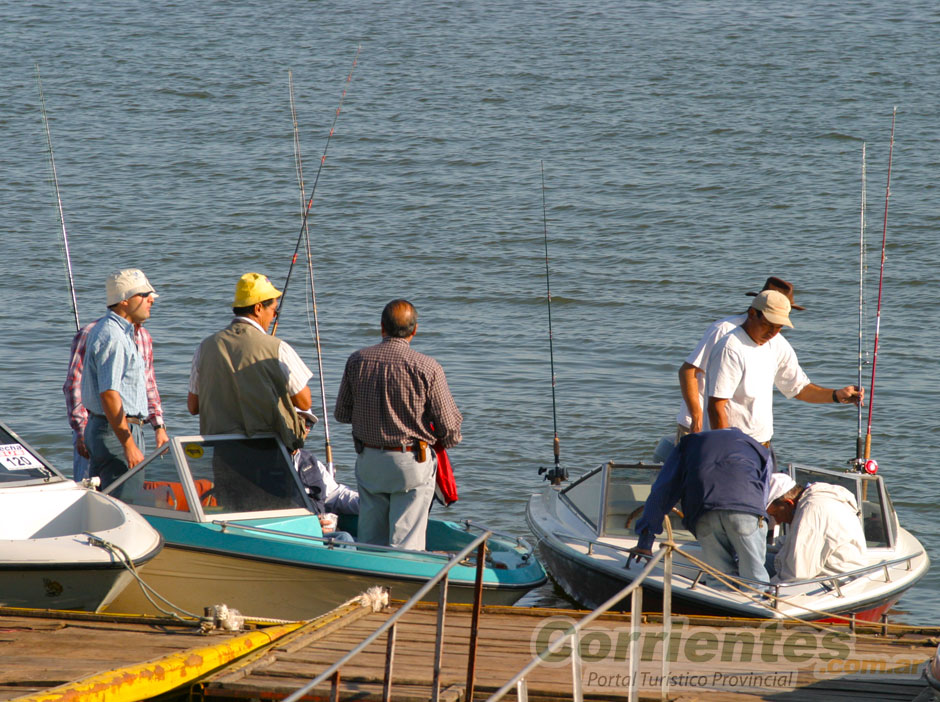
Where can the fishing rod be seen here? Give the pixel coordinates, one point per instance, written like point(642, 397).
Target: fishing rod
point(328, 448)
point(859, 441)
point(884, 236)
point(313, 190)
point(58, 197)
point(557, 474)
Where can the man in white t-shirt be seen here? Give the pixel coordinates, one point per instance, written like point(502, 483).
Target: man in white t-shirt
point(745, 366)
point(693, 416)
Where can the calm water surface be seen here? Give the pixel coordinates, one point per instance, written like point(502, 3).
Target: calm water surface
point(690, 150)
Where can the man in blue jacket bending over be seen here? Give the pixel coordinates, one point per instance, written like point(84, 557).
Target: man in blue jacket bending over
point(722, 478)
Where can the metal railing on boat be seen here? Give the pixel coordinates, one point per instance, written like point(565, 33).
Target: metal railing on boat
point(333, 672)
point(833, 582)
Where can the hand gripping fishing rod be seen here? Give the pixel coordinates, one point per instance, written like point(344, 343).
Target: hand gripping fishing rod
point(298, 163)
point(58, 197)
point(884, 236)
point(557, 474)
point(313, 190)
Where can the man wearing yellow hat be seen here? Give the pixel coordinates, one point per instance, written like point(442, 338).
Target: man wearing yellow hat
point(244, 381)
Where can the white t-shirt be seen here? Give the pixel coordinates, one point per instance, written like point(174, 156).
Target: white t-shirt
point(699, 358)
point(745, 373)
point(296, 371)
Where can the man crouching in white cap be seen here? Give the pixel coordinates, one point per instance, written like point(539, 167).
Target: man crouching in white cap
point(825, 536)
point(114, 388)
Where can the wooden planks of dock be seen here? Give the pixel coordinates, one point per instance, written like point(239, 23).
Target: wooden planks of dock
point(793, 663)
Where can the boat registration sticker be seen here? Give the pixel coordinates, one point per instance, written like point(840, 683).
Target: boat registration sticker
point(193, 450)
point(15, 457)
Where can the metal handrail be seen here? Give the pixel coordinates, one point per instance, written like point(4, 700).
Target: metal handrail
point(573, 631)
point(328, 540)
point(391, 621)
point(848, 575)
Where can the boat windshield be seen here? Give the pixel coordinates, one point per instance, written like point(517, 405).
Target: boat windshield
point(877, 512)
point(19, 462)
point(223, 475)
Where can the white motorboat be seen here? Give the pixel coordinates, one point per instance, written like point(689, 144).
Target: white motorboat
point(62, 545)
point(585, 532)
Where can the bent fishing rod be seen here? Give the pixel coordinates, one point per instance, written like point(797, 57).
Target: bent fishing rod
point(557, 474)
point(58, 198)
point(298, 163)
point(313, 190)
point(884, 236)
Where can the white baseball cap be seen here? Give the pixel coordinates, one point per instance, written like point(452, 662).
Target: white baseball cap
point(124, 284)
point(780, 485)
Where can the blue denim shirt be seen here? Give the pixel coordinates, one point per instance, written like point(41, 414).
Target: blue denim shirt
point(720, 469)
point(113, 362)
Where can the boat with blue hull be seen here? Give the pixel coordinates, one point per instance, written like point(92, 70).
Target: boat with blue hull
point(240, 530)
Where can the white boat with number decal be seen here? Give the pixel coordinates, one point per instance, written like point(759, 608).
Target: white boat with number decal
point(62, 545)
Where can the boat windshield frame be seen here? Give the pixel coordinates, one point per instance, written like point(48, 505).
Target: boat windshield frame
point(194, 497)
point(51, 474)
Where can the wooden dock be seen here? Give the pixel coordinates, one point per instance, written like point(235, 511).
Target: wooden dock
point(80, 658)
point(859, 666)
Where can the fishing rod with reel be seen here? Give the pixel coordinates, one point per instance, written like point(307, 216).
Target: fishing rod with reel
point(865, 463)
point(313, 190)
point(58, 197)
point(558, 473)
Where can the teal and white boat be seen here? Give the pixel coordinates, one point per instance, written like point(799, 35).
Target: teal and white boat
point(239, 529)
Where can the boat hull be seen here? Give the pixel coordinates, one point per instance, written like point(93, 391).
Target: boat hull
point(194, 579)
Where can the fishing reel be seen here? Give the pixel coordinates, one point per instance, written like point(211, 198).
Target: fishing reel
point(556, 475)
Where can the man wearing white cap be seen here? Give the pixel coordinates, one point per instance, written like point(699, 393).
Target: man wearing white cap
point(244, 381)
point(744, 368)
point(693, 415)
point(825, 536)
point(114, 385)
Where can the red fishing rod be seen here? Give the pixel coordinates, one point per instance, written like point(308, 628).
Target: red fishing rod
point(884, 236)
point(313, 190)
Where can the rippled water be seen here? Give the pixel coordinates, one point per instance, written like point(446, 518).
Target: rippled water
point(690, 149)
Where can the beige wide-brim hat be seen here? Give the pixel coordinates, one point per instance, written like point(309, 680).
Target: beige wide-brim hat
point(124, 284)
point(253, 288)
point(775, 307)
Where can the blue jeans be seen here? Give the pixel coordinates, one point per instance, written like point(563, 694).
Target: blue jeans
point(107, 455)
point(724, 534)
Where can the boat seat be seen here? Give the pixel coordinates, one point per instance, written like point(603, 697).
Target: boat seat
point(175, 496)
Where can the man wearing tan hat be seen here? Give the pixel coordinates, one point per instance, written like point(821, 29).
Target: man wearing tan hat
point(693, 415)
point(746, 365)
point(114, 384)
point(244, 381)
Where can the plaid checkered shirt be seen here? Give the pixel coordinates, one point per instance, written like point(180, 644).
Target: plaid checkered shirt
point(391, 394)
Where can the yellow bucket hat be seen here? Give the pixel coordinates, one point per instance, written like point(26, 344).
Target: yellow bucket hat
point(253, 288)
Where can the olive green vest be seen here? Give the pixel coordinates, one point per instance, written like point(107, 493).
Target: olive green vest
point(242, 388)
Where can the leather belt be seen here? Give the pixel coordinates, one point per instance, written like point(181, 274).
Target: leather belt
point(134, 420)
point(399, 447)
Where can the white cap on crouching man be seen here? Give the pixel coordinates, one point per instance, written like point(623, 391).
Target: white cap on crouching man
point(780, 485)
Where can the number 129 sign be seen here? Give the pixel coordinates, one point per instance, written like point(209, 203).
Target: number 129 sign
point(15, 457)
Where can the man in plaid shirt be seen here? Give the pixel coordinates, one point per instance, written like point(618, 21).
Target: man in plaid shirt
point(392, 395)
point(78, 415)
